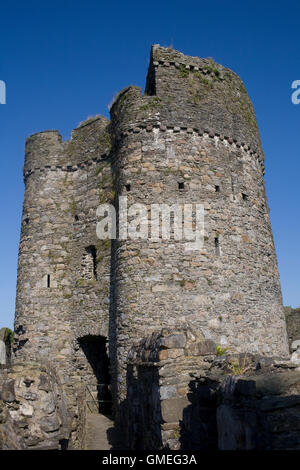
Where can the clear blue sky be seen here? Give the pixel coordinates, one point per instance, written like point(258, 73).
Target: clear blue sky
point(64, 60)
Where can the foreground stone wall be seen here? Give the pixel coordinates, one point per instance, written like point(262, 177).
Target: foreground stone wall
point(159, 377)
point(6, 337)
point(181, 395)
point(33, 409)
point(260, 411)
point(292, 316)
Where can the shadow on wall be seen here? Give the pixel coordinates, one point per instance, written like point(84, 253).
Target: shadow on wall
point(139, 417)
point(198, 427)
point(258, 410)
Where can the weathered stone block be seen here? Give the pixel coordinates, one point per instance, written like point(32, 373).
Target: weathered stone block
point(202, 348)
point(49, 423)
point(167, 391)
point(7, 391)
point(173, 341)
point(172, 409)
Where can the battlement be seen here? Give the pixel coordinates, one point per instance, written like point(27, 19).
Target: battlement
point(90, 143)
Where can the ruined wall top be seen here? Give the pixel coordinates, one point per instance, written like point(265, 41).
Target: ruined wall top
point(189, 92)
point(90, 140)
point(200, 92)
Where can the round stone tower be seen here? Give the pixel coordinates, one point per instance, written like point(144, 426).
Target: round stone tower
point(192, 138)
point(62, 304)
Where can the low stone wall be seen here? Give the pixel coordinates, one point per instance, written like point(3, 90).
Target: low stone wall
point(260, 412)
point(159, 378)
point(33, 409)
point(292, 316)
point(182, 395)
point(5, 347)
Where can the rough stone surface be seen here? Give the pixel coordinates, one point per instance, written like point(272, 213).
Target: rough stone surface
point(292, 316)
point(3, 359)
point(228, 402)
point(32, 416)
point(266, 419)
point(5, 347)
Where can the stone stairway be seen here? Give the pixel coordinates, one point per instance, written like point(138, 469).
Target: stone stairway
point(97, 426)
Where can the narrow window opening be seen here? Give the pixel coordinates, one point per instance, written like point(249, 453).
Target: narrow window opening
point(76, 218)
point(89, 263)
point(48, 280)
point(245, 197)
point(128, 187)
point(217, 246)
point(233, 185)
point(180, 185)
point(217, 188)
point(26, 221)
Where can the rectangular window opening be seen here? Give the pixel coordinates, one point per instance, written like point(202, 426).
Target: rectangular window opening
point(245, 197)
point(217, 188)
point(217, 246)
point(180, 185)
point(128, 187)
point(89, 263)
point(48, 280)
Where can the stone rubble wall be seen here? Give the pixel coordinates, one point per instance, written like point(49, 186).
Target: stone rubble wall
point(5, 347)
point(260, 412)
point(182, 396)
point(33, 409)
point(159, 376)
point(292, 316)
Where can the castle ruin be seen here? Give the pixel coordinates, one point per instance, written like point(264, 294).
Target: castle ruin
point(82, 302)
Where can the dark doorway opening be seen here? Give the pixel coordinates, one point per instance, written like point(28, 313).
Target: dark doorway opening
point(98, 386)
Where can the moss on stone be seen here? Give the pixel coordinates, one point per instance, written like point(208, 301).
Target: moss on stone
point(153, 103)
point(184, 72)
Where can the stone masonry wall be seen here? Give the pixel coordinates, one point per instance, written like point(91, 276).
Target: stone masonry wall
point(260, 411)
point(230, 289)
point(159, 376)
point(33, 409)
point(57, 304)
point(196, 92)
point(183, 396)
point(292, 316)
point(5, 347)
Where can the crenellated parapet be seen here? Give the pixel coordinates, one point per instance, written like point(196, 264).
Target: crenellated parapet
point(90, 143)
